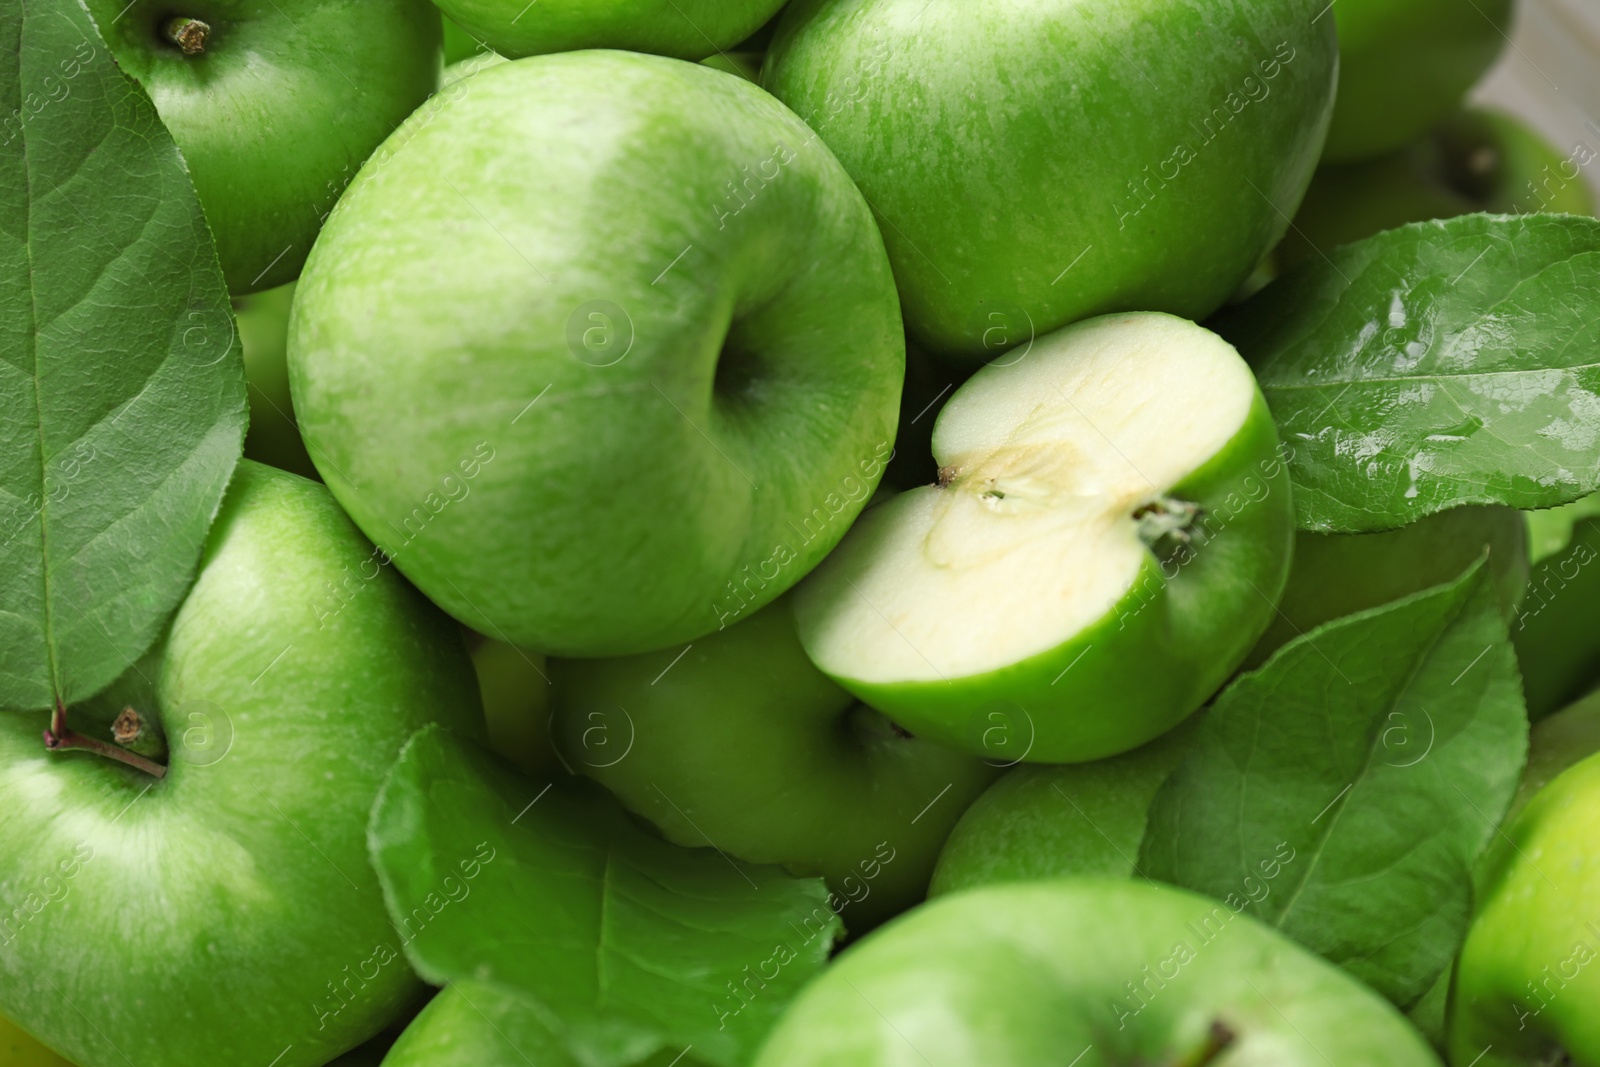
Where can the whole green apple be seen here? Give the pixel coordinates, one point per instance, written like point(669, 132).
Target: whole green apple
point(605, 355)
point(1086, 973)
point(226, 913)
point(1056, 822)
point(274, 438)
point(1473, 161)
point(686, 29)
point(1036, 162)
point(274, 105)
point(17, 1049)
point(739, 742)
point(1557, 627)
point(1527, 980)
point(1340, 574)
point(1404, 65)
point(1109, 535)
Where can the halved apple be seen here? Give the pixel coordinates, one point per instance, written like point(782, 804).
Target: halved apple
point(1109, 535)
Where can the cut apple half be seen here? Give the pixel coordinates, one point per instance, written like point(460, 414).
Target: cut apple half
point(1110, 533)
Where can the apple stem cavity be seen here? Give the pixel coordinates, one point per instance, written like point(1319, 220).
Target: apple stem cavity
point(1165, 524)
point(1219, 1039)
point(190, 35)
point(60, 737)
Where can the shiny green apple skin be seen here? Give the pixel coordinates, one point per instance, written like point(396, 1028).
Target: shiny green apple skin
point(210, 917)
point(538, 282)
point(274, 438)
point(515, 685)
point(1475, 160)
point(1527, 980)
point(280, 109)
point(17, 1049)
point(1406, 64)
point(1557, 628)
point(1034, 162)
point(1095, 695)
point(1042, 972)
point(684, 29)
point(1082, 819)
point(744, 744)
point(1340, 574)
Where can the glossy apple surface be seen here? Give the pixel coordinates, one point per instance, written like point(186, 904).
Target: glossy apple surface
point(274, 438)
point(740, 742)
point(276, 108)
point(1082, 819)
point(588, 399)
point(1034, 162)
point(1109, 536)
point(1405, 64)
point(685, 29)
point(1109, 972)
point(515, 685)
point(1475, 160)
point(1527, 979)
point(1340, 574)
point(229, 910)
point(1557, 626)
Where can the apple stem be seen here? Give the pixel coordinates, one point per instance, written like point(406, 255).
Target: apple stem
point(188, 34)
point(60, 737)
point(1218, 1040)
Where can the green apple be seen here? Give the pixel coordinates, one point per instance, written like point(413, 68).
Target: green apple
point(1086, 973)
point(737, 741)
point(274, 105)
point(1082, 819)
point(515, 684)
point(1551, 530)
point(226, 913)
point(588, 396)
point(1473, 161)
point(459, 44)
point(686, 29)
point(1406, 64)
point(1109, 535)
point(1528, 977)
point(17, 1049)
point(1340, 574)
point(274, 438)
point(1035, 162)
point(1557, 628)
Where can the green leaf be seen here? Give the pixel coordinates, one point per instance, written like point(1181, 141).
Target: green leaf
point(1439, 364)
point(122, 395)
point(633, 946)
point(1342, 792)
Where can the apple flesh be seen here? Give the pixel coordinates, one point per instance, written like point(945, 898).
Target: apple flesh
point(1110, 501)
point(1335, 575)
point(1404, 65)
point(589, 399)
point(1082, 819)
point(685, 29)
point(1034, 164)
point(233, 895)
point(274, 106)
point(1088, 972)
point(739, 742)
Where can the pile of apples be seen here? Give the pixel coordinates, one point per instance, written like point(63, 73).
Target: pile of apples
point(791, 534)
